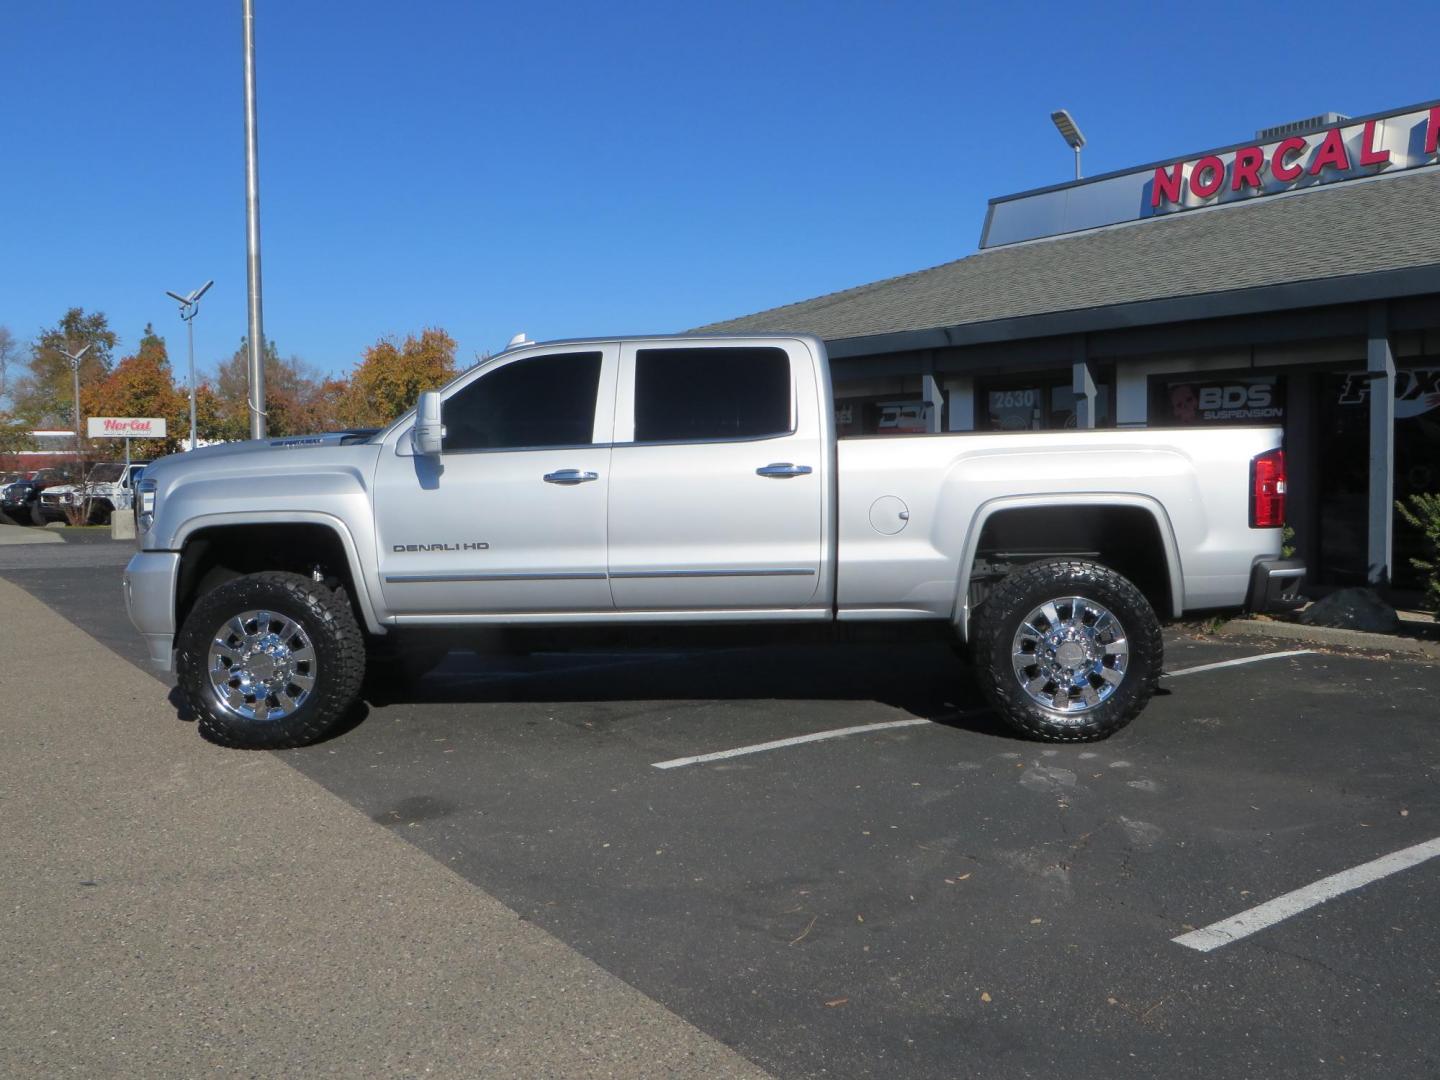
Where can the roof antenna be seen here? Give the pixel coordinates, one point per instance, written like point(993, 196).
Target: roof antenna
point(516, 341)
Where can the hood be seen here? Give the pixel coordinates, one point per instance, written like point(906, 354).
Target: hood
point(225, 451)
point(349, 437)
point(262, 457)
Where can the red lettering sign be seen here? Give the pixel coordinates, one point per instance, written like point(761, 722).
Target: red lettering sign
point(1278, 168)
point(1368, 154)
point(1207, 177)
point(1246, 170)
point(1331, 152)
point(1167, 185)
point(1290, 160)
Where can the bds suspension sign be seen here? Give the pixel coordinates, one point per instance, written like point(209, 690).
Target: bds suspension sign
point(126, 427)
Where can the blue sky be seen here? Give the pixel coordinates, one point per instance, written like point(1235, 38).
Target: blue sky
point(574, 169)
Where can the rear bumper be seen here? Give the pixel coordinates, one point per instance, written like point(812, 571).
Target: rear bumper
point(1275, 585)
point(150, 602)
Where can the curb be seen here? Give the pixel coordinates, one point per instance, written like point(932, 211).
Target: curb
point(15, 535)
point(1329, 635)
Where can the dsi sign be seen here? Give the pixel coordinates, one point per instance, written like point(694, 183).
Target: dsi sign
point(1344, 152)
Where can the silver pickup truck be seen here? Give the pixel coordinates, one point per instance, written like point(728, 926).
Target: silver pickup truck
point(691, 480)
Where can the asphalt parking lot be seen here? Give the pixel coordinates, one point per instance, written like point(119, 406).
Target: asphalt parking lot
point(927, 896)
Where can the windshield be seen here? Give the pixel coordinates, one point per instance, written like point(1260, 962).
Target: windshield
point(106, 474)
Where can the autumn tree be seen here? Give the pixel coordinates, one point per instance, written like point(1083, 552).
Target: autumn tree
point(209, 411)
point(297, 401)
point(14, 433)
point(9, 358)
point(43, 397)
point(388, 380)
point(144, 385)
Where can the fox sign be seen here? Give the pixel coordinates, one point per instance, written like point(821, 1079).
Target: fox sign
point(126, 427)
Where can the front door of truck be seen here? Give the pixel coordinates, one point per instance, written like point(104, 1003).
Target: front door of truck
point(717, 478)
point(510, 516)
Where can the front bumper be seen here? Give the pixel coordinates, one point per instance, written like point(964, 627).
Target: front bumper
point(150, 580)
point(1275, 585)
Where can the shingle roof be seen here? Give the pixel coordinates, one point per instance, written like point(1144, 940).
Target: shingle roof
point(1337, 231)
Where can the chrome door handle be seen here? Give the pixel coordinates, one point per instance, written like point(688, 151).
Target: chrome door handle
point(570, 476)
point(784, 469)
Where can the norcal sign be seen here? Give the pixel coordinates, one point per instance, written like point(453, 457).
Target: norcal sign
point(126, 427)
point(1308, 158)
point(1343, 152)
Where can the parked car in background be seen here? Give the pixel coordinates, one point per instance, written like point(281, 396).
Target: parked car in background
point(110, 486)
point(20, 500)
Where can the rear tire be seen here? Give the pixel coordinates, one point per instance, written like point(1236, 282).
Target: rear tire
point(271, 661)
point(1081, 672)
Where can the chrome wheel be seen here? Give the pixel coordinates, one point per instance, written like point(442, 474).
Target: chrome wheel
point(262, 665)
point(1070, 655)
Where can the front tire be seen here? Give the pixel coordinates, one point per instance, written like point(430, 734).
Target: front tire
point(271, 661)
point(1067, 650)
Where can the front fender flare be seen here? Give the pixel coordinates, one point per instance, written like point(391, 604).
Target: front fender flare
point(364, 582)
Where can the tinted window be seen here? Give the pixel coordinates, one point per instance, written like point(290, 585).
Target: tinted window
point(682, 395)
point(542, 401)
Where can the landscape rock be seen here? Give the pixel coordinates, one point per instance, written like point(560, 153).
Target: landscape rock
point(1353, 609)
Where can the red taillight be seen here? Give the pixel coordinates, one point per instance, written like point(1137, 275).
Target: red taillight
point(1267, 490)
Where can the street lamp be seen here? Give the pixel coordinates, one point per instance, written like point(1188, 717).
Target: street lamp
point(189, 308)
point(1065, 124)
point(74, 359)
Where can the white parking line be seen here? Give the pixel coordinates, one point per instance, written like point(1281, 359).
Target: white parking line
point(840, 733)
point(1292, 903)
point(1236, 663)
point(818, 736)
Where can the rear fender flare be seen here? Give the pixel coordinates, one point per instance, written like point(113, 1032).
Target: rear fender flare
point(1098, 500)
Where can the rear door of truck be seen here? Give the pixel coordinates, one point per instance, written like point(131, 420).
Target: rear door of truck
point(719, 478)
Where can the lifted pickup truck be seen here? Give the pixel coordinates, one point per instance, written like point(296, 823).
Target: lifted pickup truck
point(691, 480)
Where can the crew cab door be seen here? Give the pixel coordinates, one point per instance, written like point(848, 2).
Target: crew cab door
point(718, 477)
point(510, 516)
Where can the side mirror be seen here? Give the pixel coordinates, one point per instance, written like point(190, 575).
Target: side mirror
point(428, 434)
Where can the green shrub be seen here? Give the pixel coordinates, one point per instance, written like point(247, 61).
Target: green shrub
point(1424, 514)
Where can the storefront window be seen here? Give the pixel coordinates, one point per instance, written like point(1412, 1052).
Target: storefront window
point(1187, 400)
point(881, 416)
point(1043, 405)
point(1063, 401)
point(1345, 468)
point(1015, 409)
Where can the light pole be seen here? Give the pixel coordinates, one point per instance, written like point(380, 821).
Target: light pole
point(74, 359)
point(252, 232)
point(1065, 124)
point(189, 308)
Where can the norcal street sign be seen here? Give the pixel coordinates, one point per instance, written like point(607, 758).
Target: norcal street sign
point(127, 427)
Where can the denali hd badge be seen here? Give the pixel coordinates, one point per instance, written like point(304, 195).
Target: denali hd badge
point(478, 545)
